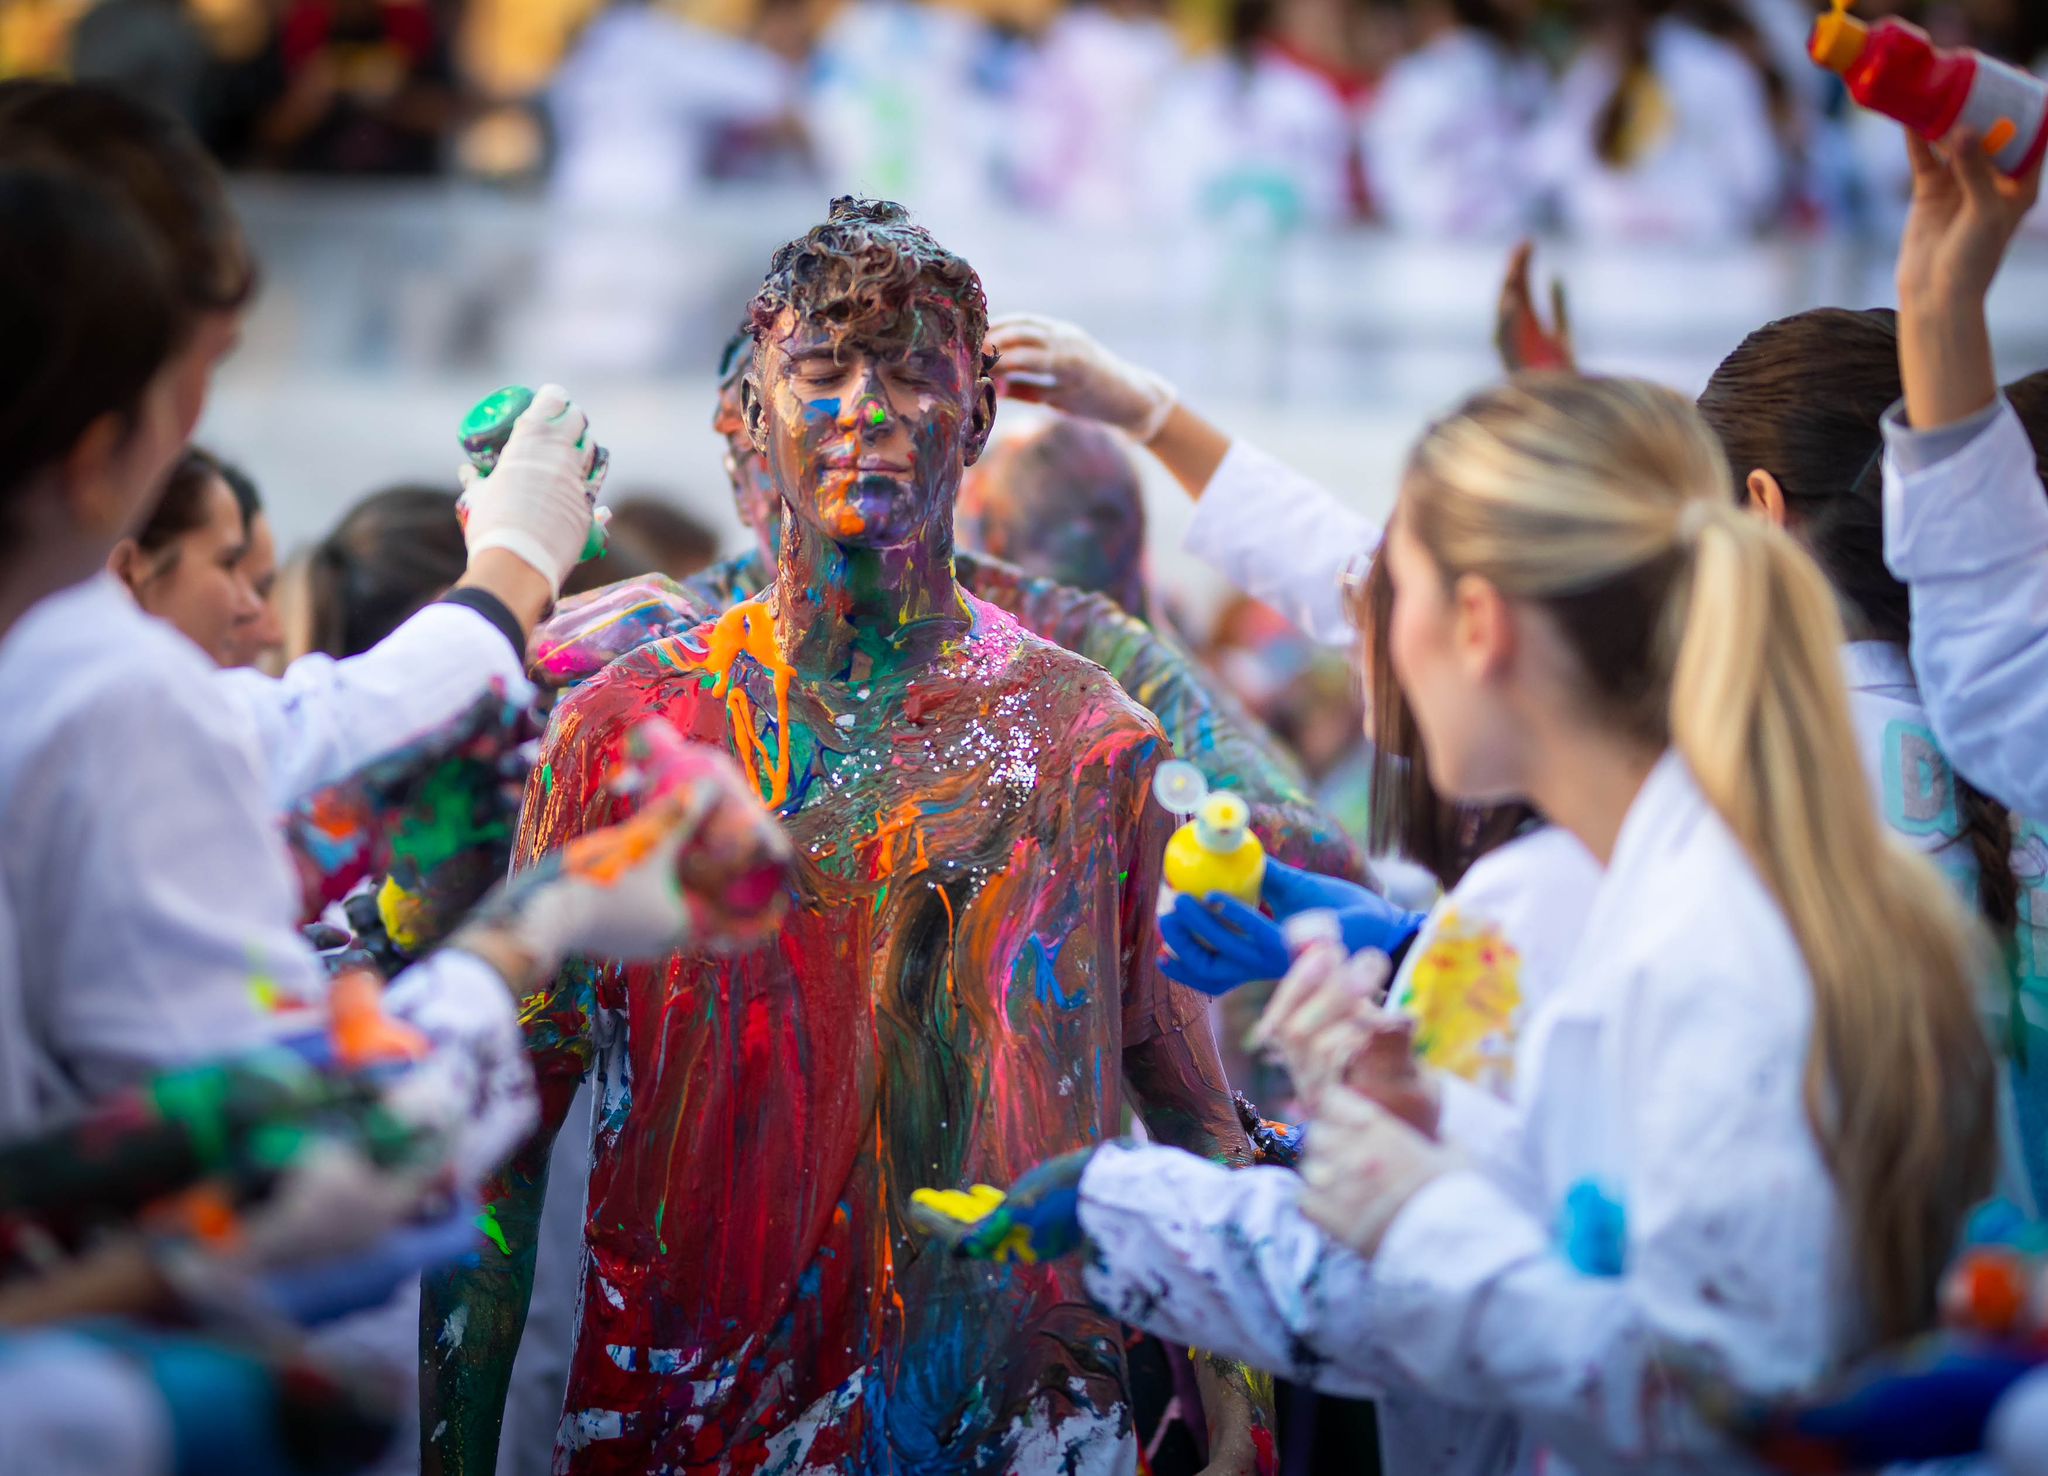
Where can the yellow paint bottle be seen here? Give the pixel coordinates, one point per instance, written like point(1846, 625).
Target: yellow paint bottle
point(1217, 852)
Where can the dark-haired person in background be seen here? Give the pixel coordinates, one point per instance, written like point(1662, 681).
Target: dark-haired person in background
point(185, 564)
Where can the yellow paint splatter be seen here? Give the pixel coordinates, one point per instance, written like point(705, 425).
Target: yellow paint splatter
point(1465, 993)
point(748, 628)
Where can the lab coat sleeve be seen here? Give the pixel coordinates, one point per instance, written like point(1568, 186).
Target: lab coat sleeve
point(161, 891)
point(1282, 538)
point(1731, 1248)
point(324, 719)
point(1968, 533)
point(1478, 1124)
point(1222, 1259)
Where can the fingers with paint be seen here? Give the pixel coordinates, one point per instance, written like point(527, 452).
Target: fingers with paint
point(1038, 1220)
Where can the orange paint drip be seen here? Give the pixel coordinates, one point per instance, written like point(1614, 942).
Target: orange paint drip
point(748, 628)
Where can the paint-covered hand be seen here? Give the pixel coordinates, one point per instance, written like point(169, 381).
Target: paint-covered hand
point(539, 499)
point(1365, 919)
point(1038, 1220)
point(1048, 362)
point(701, 862)
point(1519, 333)
point(1361, 1167)
point(589, 630)
point(436, 816)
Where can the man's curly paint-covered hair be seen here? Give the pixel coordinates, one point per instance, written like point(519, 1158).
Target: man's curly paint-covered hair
point(868, 267)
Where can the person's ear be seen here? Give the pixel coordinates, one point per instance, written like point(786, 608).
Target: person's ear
point(755, 414)
point(982, 423)
point(1483, 627)
point(130, 565)
point(1767, 497)
point(90, 481)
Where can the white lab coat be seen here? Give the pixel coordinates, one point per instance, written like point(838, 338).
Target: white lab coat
point(1669, 1068)
point(1280, 537)
point(138, 831)
point(325, 718)
point(1715, 173)
point(1445, 139)
point(1969, 536)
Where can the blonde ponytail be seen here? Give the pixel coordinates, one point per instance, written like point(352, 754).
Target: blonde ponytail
point(1900, 1080)
point(1706, 629)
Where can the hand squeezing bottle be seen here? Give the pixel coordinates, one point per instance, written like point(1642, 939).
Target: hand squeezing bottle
point(1892, 67)
point(487, 428)
point(1214, 850)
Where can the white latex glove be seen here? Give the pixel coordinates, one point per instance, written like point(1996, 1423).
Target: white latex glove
point(620, 892)
point(1048, 362)
point(538, 502)
point(475, 1091)
point(1360, 1168)
point(332, 1202)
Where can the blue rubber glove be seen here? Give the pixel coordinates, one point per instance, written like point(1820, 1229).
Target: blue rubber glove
point(1038, 1220)
point(1217, 943)
point(1367, 919)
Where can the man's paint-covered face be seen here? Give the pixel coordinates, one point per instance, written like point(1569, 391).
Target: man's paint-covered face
point(866, 434)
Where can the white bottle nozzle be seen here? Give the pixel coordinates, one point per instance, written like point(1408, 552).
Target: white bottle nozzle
point(1222, 822)
point(1179, 787)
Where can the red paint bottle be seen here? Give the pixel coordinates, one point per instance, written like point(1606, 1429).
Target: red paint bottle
point(1892, 67)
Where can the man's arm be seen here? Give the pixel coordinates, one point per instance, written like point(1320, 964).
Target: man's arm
point(471, 1317)
point(1175, 1081)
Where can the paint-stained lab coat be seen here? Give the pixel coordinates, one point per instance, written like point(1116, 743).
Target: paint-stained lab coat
point(325, 718)
point(1280, 537)
point(1668, 1068)
point(1968, 532)
point(140, 852)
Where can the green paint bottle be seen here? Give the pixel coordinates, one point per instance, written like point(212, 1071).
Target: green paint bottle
point(488, 426)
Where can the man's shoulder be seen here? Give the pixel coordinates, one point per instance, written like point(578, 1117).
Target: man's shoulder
point(1063, 687)
point(663, 678)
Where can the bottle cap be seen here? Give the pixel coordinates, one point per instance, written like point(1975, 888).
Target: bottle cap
point(489, 424)
point(1838, 39)
point(1222, 823)
point(1179, 786)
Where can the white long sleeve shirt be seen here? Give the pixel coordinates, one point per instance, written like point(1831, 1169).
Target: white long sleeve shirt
point(1966, 527)
point(1280, 537)
point(140, 854)
point(1668, 1069)
point(325, 718)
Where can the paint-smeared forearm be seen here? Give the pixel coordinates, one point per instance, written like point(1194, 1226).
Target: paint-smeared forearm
point(472, 1316)
point(1205, 724)
point(1223, 1259)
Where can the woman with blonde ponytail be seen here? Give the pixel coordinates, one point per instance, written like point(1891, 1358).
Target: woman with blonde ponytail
point(1750, 1120)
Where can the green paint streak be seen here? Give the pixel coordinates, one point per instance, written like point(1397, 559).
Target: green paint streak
point(488, 1223)
point(1122, 877)
point(441, 824)
point(877, 415)
point(547, 778)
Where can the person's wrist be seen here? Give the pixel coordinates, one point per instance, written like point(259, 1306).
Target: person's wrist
point(501, 947)
point(523, 589)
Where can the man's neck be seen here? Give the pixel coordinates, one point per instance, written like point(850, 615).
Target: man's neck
point(853, 614)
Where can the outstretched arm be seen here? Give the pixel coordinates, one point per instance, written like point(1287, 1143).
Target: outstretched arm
point(1274, 534)
point(1965, 522)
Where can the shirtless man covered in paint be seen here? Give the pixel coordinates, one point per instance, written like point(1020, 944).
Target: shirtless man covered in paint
point(966, 984)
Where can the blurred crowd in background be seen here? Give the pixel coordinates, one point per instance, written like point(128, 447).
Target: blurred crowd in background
point(1692, 120)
